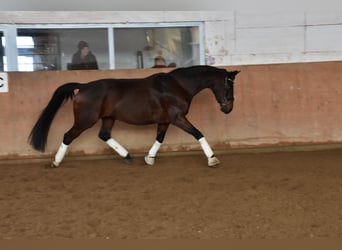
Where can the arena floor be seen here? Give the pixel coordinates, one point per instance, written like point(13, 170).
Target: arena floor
point(272, 195)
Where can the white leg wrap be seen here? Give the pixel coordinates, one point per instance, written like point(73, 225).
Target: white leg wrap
point(117, 147)
point(206, 148)
point(149, 159)
point(212, 160)
point(154, 149)
point(60, 154)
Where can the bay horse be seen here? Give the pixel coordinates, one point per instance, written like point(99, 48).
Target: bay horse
point(162, 98)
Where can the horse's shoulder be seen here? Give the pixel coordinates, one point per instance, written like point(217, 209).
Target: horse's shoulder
point(164, 79)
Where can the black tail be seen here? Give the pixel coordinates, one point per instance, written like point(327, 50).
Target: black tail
point(39, 133)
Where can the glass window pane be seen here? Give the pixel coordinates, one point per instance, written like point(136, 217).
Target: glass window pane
point(140, 47)
point(54, 49)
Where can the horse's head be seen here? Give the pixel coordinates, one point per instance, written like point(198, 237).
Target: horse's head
point(223, 89)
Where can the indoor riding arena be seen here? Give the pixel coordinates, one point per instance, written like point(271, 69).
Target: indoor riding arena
point(280, 148)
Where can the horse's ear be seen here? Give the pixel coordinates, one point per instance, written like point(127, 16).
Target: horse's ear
point(234, 73)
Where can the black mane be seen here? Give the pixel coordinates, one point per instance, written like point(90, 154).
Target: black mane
point(197, 69)
point(197, 73)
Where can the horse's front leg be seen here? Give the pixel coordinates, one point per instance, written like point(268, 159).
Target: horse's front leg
point(161, 131)
point(212, 160)
point(184, 124)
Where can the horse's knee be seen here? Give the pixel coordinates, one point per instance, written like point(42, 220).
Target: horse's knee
point(105, 136)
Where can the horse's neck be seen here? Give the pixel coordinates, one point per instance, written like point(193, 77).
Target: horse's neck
point(192, 83)
point(193, 87)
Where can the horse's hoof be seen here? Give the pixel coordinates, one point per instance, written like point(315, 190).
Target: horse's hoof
point(149, 160)
point(54, 165)
point(128, 159)
point(213, 162)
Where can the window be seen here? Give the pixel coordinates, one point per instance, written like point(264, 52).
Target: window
point(138, 47)
point(115, 46)
point(52, 49)
point(27, 60)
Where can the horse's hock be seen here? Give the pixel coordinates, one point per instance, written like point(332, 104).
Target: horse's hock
point(274, 105)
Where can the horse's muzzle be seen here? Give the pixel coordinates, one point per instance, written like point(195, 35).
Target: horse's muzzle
point(227, 107)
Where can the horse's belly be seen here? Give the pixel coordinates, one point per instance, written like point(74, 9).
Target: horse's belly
point(142, 115)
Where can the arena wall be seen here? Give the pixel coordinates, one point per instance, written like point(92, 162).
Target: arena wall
point(278, 104)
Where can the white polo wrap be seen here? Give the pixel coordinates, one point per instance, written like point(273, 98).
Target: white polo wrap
point(60, 154)
point(206, 148)
point(154, 149)
point(117, 147)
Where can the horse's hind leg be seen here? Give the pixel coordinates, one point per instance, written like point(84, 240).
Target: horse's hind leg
point(105, 135)
point(84, 119)
point(161, 131)
point(69, 136)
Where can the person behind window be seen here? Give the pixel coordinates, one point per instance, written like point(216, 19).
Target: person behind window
point(83, 58)
point(172, 65)
point(159, 62)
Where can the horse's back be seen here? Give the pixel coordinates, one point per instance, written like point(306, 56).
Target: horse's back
point(135, 101)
